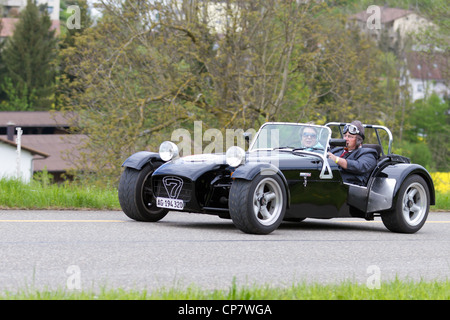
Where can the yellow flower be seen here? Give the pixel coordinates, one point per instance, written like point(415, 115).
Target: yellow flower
point(441, 181)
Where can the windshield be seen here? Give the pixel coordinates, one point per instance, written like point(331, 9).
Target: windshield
point(292, 136)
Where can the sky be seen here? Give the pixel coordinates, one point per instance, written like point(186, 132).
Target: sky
point(94, 12)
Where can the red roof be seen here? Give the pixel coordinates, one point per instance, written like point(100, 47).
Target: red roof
point(33, 119)
point(8, 26)
point(56, 147)
point(31, 150)
point(387, 14)
point(61, 149)
point(427, 66)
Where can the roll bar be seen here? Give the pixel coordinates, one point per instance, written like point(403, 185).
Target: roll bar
point(340, 125)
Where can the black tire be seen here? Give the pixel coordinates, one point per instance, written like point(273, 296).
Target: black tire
point(258, 206)
point(411, 207)
point(136, 196)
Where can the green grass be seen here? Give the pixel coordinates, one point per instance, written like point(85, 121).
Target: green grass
point(36, 195)
point(389, 290)
point(442, 201)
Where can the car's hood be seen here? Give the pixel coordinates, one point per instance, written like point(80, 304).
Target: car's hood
point(194, 166)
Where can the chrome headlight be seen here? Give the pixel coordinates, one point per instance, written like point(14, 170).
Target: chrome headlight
point(168, 150)
point(235, 156)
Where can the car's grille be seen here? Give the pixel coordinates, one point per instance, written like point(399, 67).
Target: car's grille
point(183, 193)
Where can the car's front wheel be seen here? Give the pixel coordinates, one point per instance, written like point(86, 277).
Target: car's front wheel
point(258, 206)
point(136, 196)
point(411, 209)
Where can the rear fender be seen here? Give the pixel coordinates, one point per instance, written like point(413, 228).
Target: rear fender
point(389, 181)
point(140, 159)
point(250, 170)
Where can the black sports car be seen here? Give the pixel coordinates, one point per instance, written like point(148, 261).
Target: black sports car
point(278, 178)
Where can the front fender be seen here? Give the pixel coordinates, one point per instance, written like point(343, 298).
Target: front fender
point(250, 170)
point(139, 159)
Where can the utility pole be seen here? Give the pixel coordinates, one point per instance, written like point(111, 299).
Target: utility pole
point(19, 149)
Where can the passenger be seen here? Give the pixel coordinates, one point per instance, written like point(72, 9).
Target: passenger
point(309, 139)
point(356, 163)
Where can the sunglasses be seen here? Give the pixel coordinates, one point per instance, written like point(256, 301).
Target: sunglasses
point(309, 135)
point(351, 129)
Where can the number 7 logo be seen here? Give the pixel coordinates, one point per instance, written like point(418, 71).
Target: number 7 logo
point(173, 186)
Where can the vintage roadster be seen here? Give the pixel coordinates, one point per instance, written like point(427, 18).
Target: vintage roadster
point(277, 179)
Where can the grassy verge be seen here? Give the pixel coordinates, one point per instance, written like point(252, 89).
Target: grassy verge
point(35, 195)
point(442, 201)
point(389, 290)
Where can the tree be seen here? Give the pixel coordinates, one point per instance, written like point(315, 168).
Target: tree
point(340, 70)
point(430, 126)
point(2, 65)
point(29, 60)
point(74, 18)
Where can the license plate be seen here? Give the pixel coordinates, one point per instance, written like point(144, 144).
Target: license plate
point(169, 203)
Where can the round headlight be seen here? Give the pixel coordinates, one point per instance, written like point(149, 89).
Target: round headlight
point(168, 150)
point(235, 156)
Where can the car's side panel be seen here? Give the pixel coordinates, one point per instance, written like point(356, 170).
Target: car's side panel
point(139, 159)
point(399, 172)
point(309, 195)
point(314, 197)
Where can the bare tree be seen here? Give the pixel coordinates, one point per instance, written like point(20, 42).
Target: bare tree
point(149, 67)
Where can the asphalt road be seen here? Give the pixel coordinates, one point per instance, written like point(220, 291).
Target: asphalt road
point(94, 249)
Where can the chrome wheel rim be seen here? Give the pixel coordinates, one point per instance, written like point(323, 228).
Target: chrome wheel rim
point(414, 204)
point(267, 201)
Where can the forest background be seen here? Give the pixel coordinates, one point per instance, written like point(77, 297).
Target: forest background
point(146, 68)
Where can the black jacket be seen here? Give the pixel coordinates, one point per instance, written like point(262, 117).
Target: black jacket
point(360, 164)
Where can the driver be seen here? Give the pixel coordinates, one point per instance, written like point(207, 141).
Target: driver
point(355, 162)
point(309, 139)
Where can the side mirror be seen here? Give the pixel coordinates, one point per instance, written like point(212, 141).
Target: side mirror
point(247, 138)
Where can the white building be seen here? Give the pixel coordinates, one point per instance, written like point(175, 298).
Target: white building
point(10, 167)
point(219, 15)
point(427, 74)
point(9, 6)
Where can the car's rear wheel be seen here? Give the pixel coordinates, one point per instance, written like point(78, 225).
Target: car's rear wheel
point(258, 206)
point(136, 195)
point(411, 208)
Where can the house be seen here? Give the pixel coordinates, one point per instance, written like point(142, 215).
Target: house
point(393, 23)
point(13, 166)
point(9, 13)
point(427, 74)
point(47, 132)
